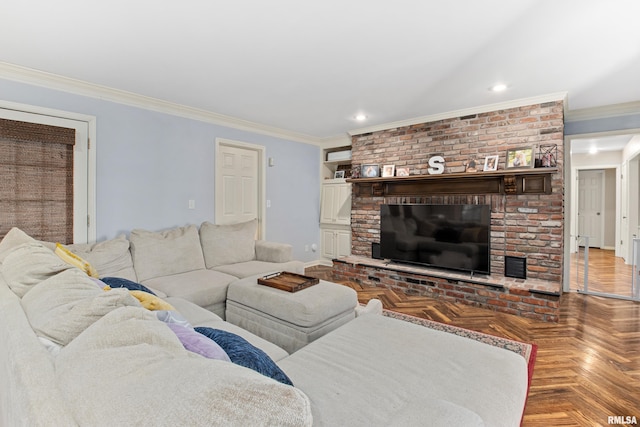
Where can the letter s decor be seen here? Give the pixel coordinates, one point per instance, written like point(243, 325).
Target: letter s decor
point(437, 165)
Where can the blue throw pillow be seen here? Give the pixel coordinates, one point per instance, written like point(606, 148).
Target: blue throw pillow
point(241, 352)
point(118, 282)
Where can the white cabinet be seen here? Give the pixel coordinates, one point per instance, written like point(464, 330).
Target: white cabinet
point(335, 204)
point(335, 219)
point(336, 242)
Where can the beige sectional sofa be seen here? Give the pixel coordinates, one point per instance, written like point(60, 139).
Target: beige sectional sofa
point(74, 354)
point(195, 264)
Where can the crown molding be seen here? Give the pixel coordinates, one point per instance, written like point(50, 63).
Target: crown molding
point(79, 87)
point(336, 141)
point(557, 96)
point(603, 112)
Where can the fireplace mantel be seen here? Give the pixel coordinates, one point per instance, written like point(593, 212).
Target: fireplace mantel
point(519, 181)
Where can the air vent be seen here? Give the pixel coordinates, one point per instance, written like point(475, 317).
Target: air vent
point(515, 267)
point(375, 250)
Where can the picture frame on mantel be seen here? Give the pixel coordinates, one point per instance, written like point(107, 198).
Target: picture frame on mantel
point(388, 170)
point(370, 171)
point(521, 158)
point(491, 163)
point(402, 171)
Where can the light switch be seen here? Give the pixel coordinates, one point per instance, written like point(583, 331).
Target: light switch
point(192, 204)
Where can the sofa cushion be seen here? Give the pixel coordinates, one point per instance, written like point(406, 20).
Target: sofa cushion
point(110, 257)
point(242, 353)
point(12, 239)
point(229, 243)
point(253, 268)
point(273, 251)
point(62, 306)
point(404, 369)
point(202, 287)
point(29, 395)
point(158, 254)
point(146, 377)
point(28, 264)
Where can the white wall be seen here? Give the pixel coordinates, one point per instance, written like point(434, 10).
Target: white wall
point(150, 164)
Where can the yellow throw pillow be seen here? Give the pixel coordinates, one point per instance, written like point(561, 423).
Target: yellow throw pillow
point(70, 258)
point(151, 302)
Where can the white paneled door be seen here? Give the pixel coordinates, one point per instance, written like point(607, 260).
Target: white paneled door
point(238, 184)
point(590, 207)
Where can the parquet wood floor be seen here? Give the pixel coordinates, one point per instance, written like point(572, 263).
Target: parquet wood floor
point(607, 273)
point(588, 364)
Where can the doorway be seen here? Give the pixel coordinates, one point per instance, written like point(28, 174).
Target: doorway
point(239, 183)
point(602, 215)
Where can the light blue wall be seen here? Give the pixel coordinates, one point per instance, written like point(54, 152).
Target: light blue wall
point(150, 164)
point(608, 124)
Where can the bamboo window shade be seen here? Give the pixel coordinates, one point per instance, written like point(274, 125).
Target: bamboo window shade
point(36, 180)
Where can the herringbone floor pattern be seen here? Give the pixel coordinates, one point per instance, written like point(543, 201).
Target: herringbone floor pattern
point(588, 364)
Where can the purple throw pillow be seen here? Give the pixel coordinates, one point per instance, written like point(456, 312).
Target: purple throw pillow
point(198, 343)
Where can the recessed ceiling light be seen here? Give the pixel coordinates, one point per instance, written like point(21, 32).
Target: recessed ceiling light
point(361, 117)
point(500, 87)
point(593, 150)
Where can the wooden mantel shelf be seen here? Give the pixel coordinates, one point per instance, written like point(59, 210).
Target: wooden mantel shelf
point(517, 181)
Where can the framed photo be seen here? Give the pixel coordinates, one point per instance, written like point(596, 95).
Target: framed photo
point(338, 174)
point(520, 158)
point(491, 163)
point(388, 170)
point(402, 171)
point(370, 171)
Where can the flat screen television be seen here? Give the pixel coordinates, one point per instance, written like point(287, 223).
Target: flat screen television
point(454, 237)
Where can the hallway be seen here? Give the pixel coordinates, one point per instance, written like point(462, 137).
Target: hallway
point(607, 273)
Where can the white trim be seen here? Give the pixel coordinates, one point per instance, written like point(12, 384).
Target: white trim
point(84, 188)
point(79, 87)
point(262, 176)
point(558, 96)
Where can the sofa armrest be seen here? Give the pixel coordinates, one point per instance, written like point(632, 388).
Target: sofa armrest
point(273, 252)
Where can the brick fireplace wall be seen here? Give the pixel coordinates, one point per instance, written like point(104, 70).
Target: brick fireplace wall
point(529, 226)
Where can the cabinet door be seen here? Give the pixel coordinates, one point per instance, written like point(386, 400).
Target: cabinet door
point(328, 244)
point(342, 243)
point(328, 204)
point(343, 204)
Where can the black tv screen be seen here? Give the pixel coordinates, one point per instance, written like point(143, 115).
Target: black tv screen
point(454, 237)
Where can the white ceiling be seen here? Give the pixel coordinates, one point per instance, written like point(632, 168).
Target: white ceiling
point(606, 143)
point(310, 66)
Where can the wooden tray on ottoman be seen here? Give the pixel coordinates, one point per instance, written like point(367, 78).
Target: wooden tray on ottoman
point(286, 281)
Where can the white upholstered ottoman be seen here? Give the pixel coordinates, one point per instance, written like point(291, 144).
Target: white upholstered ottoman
point(290, 320)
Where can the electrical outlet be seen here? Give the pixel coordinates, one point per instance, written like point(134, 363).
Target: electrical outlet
point(306, 248)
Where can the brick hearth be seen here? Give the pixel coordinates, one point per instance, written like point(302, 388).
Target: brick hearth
point(522, 225)
point(534, 299)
